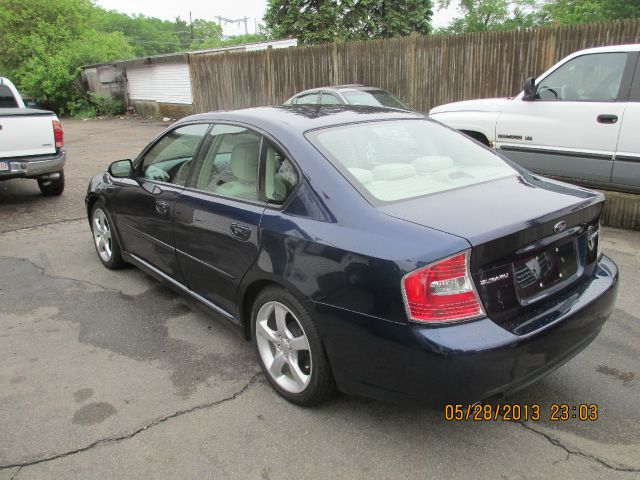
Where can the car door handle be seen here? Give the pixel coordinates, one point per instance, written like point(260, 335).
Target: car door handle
point(605, 118)
point(163, 207)
point(240, 231)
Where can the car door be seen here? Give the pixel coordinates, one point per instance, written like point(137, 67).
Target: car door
point(144, 205)
point(626, 165)
point(217, 218)
point(571, 128)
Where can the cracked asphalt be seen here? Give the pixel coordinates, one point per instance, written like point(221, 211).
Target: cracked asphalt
point(111, 375)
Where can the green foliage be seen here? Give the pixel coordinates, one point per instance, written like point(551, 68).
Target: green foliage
point(106, 106)
point(567, 12)
point(485, 15)
point(42, 50)
point(45, 42)
point(318, 21)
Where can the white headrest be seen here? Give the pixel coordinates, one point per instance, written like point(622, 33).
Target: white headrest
point(393, 171)
point(362, 175)
point(432, 163)
point(244, 161)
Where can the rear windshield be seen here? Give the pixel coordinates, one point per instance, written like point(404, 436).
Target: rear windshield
point(400, 159)
point(7, 100)
point(375, 98)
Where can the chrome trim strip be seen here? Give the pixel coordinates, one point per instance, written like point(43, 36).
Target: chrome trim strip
point(201, 262)
point(184, 288)
point(550, 151)
point(627, 158)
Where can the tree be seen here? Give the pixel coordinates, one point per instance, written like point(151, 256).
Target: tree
point(484, 15)
point(567, 12)
point(42, 50)
point(317, 21)
point(387, 18)
point(310, 21)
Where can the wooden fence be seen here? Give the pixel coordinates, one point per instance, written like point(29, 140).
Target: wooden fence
point(426, 71)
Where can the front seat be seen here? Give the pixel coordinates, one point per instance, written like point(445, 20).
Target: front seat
point(244, 167)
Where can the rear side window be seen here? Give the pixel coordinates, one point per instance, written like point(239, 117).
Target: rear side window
point(375, 98)
point(400, 159)
point(7, 100)
point(230, 166)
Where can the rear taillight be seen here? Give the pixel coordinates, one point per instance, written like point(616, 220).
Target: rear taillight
point(58, 135)
point(442, 292)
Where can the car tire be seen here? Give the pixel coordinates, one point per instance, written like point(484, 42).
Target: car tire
point(289, 348)
point(51, 188)
point(105, 238)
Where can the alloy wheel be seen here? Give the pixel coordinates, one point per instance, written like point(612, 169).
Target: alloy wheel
point(283, 347)
point(102, 235)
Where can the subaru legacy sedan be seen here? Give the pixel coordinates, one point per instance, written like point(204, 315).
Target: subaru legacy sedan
point(367, 250)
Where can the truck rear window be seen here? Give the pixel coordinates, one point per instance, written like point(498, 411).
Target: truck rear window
point(7, 100)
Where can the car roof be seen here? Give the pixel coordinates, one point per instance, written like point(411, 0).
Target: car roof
point(338, 88)
point(301, 118)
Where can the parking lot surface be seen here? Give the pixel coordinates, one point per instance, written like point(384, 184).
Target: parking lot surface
point(111, 375)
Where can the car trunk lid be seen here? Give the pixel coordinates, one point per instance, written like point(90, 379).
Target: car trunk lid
point(531, 238)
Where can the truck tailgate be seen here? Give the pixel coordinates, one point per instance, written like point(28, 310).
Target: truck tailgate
point(26, 132)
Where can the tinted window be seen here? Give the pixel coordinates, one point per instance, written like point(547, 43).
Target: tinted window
point(375, 98)
point(395, 160)
point(310, 98)
point(595, 77)
point(280, 175)
point(230, 166)
point(329, 99)
point(169, 160)
point(7, 100)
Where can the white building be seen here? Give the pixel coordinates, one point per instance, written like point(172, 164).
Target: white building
point(157, 85)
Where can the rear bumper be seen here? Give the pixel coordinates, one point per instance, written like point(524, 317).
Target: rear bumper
point(466, 362)
point(33, 167)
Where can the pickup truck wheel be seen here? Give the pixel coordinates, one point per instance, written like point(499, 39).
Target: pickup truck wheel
point(105, 239)
point(50, 187)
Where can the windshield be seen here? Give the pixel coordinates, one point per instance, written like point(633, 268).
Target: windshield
point(400, 159)
point(375, 98)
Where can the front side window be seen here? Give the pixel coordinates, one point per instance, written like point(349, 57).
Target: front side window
point(308, 99)
point(230, 166)
point(169, 160)
point(595, 77)
point(401, 159)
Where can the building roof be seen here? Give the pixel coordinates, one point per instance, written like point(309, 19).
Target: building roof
point(183, 57)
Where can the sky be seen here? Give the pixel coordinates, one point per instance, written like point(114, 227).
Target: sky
point(208, 10)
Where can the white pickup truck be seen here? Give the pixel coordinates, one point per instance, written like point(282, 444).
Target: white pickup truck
point(580, 120)
point(31, 142)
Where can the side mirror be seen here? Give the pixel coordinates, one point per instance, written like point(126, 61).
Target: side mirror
point(530, 89)
point(121, 168)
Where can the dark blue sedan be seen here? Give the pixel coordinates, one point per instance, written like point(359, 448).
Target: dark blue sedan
point(368, 250)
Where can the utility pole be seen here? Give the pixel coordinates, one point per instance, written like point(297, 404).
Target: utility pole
point(191, 23)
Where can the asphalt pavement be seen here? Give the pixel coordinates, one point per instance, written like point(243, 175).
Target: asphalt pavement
point(109, 374)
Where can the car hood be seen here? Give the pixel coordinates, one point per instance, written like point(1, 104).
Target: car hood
point(487, 211)
point(482, 105)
